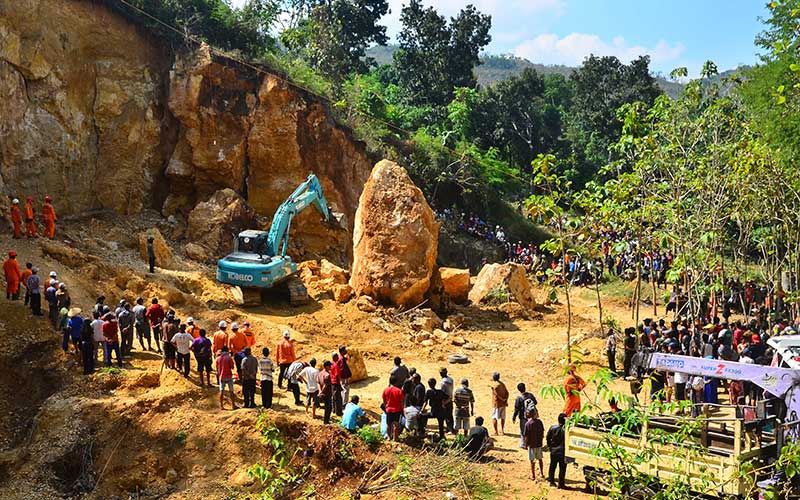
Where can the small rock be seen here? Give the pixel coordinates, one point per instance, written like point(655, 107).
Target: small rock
point(458, 341)
point(365, 303)
point(440, 334)
point(422, 336)
point(196, 252)
point(329, 270)
point(171, 476)
point(342, 293)
point(427, 343)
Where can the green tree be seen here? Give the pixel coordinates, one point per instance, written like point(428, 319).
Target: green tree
point(435, 56)
point(334, 34)
point(602, 86)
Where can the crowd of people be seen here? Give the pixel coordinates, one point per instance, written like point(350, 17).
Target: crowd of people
point(744, 342)
point(409, 406)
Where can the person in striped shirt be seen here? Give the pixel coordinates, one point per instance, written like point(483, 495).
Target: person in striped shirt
point(266, 368)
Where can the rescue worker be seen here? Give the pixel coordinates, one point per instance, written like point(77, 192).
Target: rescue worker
point(24, 280)
point(30, 223)
point(49, 215)
point(16, 218)
point(191, 328)
point(573, 385)
point(248, 334)
point(236, 344)
point(284, 354)
point(13, 275)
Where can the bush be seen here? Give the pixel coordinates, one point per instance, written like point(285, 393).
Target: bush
point(371, 436)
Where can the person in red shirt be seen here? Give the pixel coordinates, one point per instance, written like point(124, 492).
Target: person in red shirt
point(336, 386)
point(155, 315)
point(225, 366)
point(393, 406)
point(111, 336)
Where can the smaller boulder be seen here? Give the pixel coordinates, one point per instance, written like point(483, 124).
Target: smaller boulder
point(329, 270)
point(164, 257)
point(426, 320)
point(342, 293)
point(358, 369)
point(503, 282)
point(216, 222)
point(456, 283)
point(426, 343)
point(366, 304)
point(196, 252)
point(458, 341)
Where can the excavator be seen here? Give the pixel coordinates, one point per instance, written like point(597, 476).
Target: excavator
point(259, 261)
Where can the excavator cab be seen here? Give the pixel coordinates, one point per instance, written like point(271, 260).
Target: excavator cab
point(252, 243)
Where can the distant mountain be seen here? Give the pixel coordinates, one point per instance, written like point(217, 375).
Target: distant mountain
point(496, 68)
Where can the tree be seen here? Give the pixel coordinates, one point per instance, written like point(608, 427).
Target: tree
point(602, 86)
point(334, 34)
point(436, 57)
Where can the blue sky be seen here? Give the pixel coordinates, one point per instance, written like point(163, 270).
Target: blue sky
point(673, 32)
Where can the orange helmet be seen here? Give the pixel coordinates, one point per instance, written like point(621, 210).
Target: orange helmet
point(12, 253)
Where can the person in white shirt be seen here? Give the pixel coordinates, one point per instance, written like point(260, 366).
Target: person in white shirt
point(310, 376)
point(97, 335)
point(183, 345)
point(265, 368)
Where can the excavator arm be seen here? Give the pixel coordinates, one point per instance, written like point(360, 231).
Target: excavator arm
point(307, 193)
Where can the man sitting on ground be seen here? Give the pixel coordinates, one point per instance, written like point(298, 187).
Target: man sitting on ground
point(478, 440)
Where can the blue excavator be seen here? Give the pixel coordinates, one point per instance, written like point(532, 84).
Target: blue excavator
point(259, 261)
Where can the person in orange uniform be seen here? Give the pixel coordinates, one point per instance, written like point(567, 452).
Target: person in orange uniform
point(16, 218)
point(13, 275)
point(248, 334)
point(191, 328)
point(220, 338)
point(236, 344)
point(49, 215)
point(284, 355)
point(30, 223)
point(573, 385)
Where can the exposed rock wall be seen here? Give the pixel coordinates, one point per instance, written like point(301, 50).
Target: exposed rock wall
point(82, 110)
point(100, 113)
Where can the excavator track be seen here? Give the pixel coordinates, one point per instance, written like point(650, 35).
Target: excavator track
point(251, 297)
point(298, 294)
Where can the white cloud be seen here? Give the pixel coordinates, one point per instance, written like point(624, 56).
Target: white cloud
point(574, 48)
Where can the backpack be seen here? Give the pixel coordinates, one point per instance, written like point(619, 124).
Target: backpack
point(529, 405)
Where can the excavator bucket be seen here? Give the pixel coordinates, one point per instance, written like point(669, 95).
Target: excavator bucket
point(336, 221)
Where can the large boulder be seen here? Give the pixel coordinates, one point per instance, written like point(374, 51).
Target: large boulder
point(456, 283)
point(164, 257)
point(394, 239)
point(213, 224)
point(358, 369)
point(502, 282)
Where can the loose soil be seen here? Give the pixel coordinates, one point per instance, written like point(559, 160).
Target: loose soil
point(148, 433)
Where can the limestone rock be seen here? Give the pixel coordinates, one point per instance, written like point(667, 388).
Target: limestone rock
point(427, 343)
point(366, 304)
point(81, 104)
point(355, 360)
point(164, 257)
point(342, 293)
point(328, 270)
point(456, 283)
point(196, 252)
point(458, 341)
point(495, 281)
point(425, 319)
point(215, 223)
point(394, 239)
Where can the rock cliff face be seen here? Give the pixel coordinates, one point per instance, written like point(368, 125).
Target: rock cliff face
point(100, 113)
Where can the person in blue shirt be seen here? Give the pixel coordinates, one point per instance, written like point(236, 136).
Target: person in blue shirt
point(352, 412)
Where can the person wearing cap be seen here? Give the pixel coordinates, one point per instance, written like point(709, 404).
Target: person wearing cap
point(499, 403)
point(26, 273)
point(30, 222)
point(34, 288)
point(74, 327)
point(151, 255)
point(220, 338)
point(249, 336)
point(16, 219)
point(182, 342)
point(285, 356)
point(266, 368)
point(191, 328)
point(49, 216)
point(224, 365)
point(141, 324)
point(249, 371)
point(201, 347)
point(13, 275)
point(573, 385)
point(236, 343)
point(155, 315)
point(111, 339)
